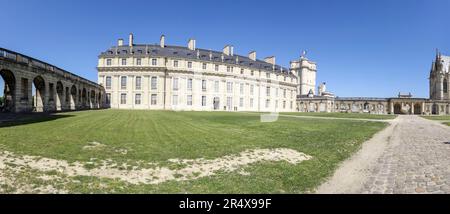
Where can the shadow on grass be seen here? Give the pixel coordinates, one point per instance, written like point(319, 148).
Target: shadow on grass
point(11, 119)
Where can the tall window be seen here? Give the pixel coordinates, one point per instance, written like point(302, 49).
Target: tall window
point(242, 71)
point(267, 103)
point(268, 91)
point(189, 100)
point(123, 98)
point(154, 83)
point(284, 93)
point(229, 103)
point(216, 86)
point(242, 88)
point(189, 64)
point(216, 67)
point(445, 86)
point(108, 62)
point(251, 102)
point(175, 63)
point(138, 83)
point(108, 82)
point(153, 99)
point(124, 61)
point(284, 104)
point(108, 98)
point(203, 100)
point(252, 73)
point(138, 61)
point(137, 99)
point(189, 84)
point(203, 85)
point(251, 89)
point(204, 66)
point(241, 102)
point(276, 92)
point(276, 103)
point(123, 82)
point(154, 62)
point(228, 69)
point(229, 87)
point(267, 75)
point(175, 84)
point(175, 100)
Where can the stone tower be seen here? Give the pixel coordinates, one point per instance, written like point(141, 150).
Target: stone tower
point(440, 78)
point(306, 72)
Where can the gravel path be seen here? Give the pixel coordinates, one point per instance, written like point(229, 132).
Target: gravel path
point(412, 155)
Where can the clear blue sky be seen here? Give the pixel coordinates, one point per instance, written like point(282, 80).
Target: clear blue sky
point(363, 48)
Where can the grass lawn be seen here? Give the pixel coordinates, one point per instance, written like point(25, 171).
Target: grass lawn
point(156, 136)
point(442, 118)
point(342, 115)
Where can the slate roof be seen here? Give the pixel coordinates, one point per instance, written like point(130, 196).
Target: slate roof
point(185, 53)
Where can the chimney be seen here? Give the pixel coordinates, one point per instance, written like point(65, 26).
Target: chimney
point(252, 55)
point(120, 42)
point(270, 59)
point(191, 44)
point(162, 41)
point(130, 40)
point(228, 50)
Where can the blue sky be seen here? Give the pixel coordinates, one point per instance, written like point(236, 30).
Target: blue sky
point(363, 48)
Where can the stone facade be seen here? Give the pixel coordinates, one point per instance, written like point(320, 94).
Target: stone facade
point(56, 89)
point(187, 78)
point(437, 104)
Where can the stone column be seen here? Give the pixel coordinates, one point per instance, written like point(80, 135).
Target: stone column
point(412, 108)
point(392, 107)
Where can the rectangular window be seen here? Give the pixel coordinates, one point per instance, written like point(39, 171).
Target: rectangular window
point(284, 93)
point(267, 103)
point(175, 100)
point(123, 82)
point(285, 78)
point(124, 61)
point(153, 99)
point(203, 85)
point(284, 104)
point(189, 100)
point(108, 82)
point(216, 86)
point(204, 66)
point(228, 69)
point(291, 104)
point(123, 98)
point(154, 83)
point(154, 62)
point(189, 64)
point(267, 75)
point(276, 92)
point(175, 84)
point(229, 103)
point(241, 102)
point(276, 103)
point(216, 67)
point(203, 100)
point(251, 102)
point(138, 61)
point(137, 99)
point(241, 88)
point(108, 62)
point(175, 63)
point(108, 98)
point(231, 69)
point(251, 89)
point(138, 83)
point(252, 73)
point(229, 87)
point(25, 88)
point(189, 84)
point(242, 71)
point(268, 91)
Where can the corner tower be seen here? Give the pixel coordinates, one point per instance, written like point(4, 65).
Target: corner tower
point(306, 71)
point(440, 78)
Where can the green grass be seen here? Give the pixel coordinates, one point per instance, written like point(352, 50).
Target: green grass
point(441, 118)
point(343, 115)
point(156, 136)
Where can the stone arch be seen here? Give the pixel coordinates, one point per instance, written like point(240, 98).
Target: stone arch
point(417, 108)
point(8, 99)
point(397, 108)
point(59, 95)
point(73, 97)
point(434, 109)
point(39, 98)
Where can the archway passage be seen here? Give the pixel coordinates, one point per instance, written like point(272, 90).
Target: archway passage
point(92, 99)
point(39, 90)
point(59, 95)
point(417, 108)
point(73, 97)
point(435, 109)
point(397, 108)
point(7, 97)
